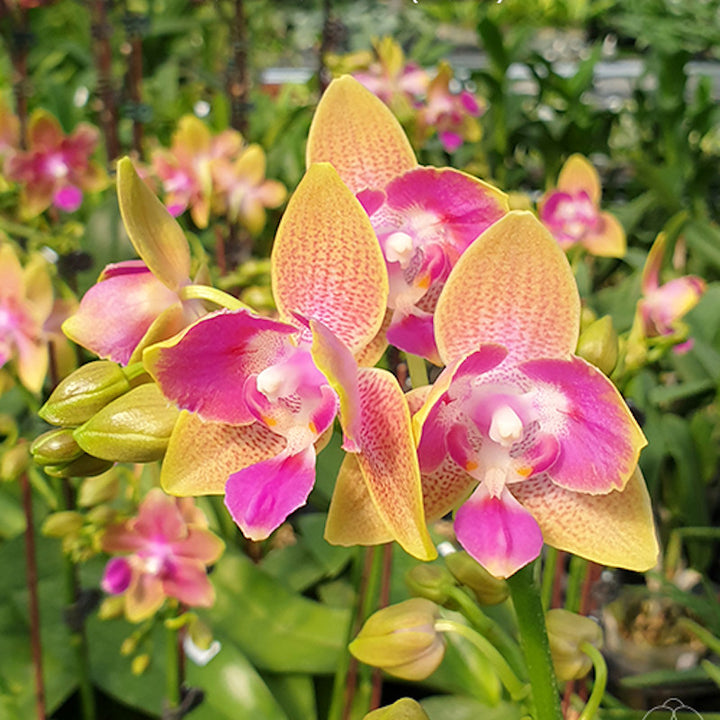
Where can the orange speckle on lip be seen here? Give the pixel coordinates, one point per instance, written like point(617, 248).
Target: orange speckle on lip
point(269, 421)
point(526, 471)
point(471, 465)
point(313, 427)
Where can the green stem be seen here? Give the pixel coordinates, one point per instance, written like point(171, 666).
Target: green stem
point(548, 577)
point(601, 675)
point(172, 662)
point(417, 369)
point(533, 638)
point(517, 689)
point(213, 295)
point(489, 629)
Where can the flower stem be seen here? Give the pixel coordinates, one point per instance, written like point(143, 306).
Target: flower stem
point(213, 295)
point(172, 669)
point(601, 675)
point(525, 595)
point(34, 607)
point(508, 678)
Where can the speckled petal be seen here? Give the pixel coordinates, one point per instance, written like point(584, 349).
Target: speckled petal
point(616, 529)
point(514, 287)
point(326, 261)
point(357, 133)
point(578, 174)
point(202, 455)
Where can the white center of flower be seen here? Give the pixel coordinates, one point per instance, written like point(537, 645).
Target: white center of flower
point(505, 427)
point(399, 248)
point(270, 382)
point(153, 564)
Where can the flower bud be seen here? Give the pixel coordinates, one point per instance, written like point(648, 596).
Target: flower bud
point(134, 428)
point(55, 447)
point(488, 589)
point(401, 639)
point(403, 709)
point(84, 466)
point(200, 634)
point(433, 582)
point(14, 461)
point(101, 515)
point(567, 631)
point(97, 490)
point(598, 344)
point(111, 607)
point(62, 523)
point(140, 664)
point(84, 392)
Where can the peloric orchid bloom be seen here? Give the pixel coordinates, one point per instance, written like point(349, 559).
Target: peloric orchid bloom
point(56, 169)
point(260, 394)
point(662, 306)
point(166, 550)
point(572, 212)
point(539, 439)
point(424, 217)
point(137, 302)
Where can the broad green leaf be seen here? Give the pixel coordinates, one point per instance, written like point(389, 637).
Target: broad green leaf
point(295, 694)
point(459, 707)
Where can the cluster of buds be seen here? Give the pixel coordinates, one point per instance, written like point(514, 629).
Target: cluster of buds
point(105, 414)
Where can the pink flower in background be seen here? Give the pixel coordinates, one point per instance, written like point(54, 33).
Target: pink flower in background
point(532, 443)
point(572, 212)
point(168, 548)
point(57, 168)
point(452, 115)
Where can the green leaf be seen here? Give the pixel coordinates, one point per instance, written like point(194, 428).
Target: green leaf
point(12, 516)
point(458, 707)
point(295, 694)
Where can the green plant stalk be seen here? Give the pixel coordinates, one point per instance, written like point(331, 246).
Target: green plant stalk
point(517, 689)
point(601, 676)
point(172, 669)
point(548, 577)
point(489, 629)
point(417, 370)
point(576, 575)
point(534, 641)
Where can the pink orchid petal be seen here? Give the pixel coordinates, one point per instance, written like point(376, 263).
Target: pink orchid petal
point(200, 544)
point(121, 538)
point(451, 141)
point(202, 455)
point(204, 370)
point(414, 333)
point(116, 577)
point(326, 261)
point(663, 307)
point(188, 582)
point(68, 198)
point(579, 175)
point(136, 296)
point(616, 529)
point(159, 517)
point(261, 496)
point(600, 441)
point(357, 133)
point(144, 597)
point(514, 287)
point(650, 279)
point(498, 532)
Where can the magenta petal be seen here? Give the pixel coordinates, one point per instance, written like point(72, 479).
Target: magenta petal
point(188, 582)
point(451, 141)
point(117, 576)
point(414, 333)
point(68, 198)
point(206, 370)
point(261, 496)
point(498, 532)
point(115, 314)
point(599, 439)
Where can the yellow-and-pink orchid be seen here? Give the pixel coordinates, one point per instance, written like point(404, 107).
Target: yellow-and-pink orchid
point(137, 302)
point(57, 168)
point(260, 395)
point(165, 550)
point(572, 211)
point(424, 217)
point(531, 442)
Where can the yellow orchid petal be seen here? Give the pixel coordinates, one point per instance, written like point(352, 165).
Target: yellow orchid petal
point(202, 455)
point(326, 261)
point(38, 287)
point(610, 242)
point(157, 237)
point(192, 135)
point(514, 287)
point(251, 164)
point(357, 133)
point(12, 282)
point(578, 174)
point(615, 529)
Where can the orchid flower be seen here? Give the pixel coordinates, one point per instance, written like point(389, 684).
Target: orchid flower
point(532, 443)
point(56, 169)
point(572, 212)
point(186, 169)
point(424, 217)
point(260, 395)
point(138, 302)
point(26, 306)
point(168, 548)
point(453, 115)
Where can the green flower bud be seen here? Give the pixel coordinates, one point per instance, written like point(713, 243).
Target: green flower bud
point(200, 634)
point(401, 639)
point(112, 607)
point(488, 589)
point(14, 462)
point(140, 664)
point(567, 631)
point(60, 524)
point(433, 582)
point(598, 344)
point(84, 392)
point(101, 515)
point(98, 489)
point(55, 447)
point(84, 466)
point(134, 428)
point(404, 709)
